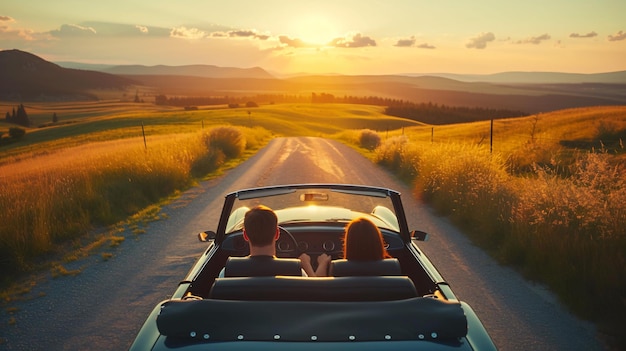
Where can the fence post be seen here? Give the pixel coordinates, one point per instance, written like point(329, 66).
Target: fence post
point(432, 135)
point(143, 132)
point(491, 138)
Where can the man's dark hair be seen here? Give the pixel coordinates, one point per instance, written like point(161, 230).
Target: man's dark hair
point(260, 224)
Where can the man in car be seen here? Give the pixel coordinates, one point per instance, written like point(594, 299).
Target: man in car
point(260, 230)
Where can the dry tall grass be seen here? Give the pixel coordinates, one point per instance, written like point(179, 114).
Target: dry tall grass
point(52, 198)
point(565, 229)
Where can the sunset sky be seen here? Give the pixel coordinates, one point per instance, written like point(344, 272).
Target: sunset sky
point(326, 36)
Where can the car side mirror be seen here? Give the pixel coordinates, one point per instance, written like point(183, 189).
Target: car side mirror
point(419, 235)
point(206, 236)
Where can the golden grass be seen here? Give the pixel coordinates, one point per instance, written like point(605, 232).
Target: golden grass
point(561, 223)
point(52, 198)
point(109, 121)
point(63, 180)
point(510, 134)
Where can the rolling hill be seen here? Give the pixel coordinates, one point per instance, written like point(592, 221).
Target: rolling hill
point(618, 77)
point(208, 71)
point(32, 78)
point(529, 98)
point(27, 77)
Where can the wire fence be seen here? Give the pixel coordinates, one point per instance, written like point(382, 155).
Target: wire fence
point(501, 138)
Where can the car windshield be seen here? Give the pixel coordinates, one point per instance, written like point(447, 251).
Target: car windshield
point(306, 205)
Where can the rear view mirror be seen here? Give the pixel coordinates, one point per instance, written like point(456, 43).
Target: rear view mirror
point(419, 235)
point(206, 236)
point(312, 196)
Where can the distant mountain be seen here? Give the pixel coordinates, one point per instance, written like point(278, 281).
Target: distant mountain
point(24, 76)
point(207, 71)
point(84, 66)
point(618, 77)
point(29, 77)
point(529, 98)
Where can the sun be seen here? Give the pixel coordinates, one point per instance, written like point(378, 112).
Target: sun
point(315, 29)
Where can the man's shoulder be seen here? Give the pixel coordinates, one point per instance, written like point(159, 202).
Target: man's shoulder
point(262, 265)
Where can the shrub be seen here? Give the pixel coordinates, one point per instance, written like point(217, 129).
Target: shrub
point(389, 154)
point(16, 133)
point(229, 140)
point(401, 156)
point(369, 139)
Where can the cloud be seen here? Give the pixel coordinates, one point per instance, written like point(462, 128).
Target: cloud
point(480, 41)
point(8, 33)
point(187, 33)
point(356, 41)
point(426, 46)
point(116, 30)
point(621, 35)
point(247, 34)
point(410, 42)
point(534, 40)
point(112, 30)
point(262, 36)
point(588, 35)
point(73, 30)
point(219, 34)
point(294, 43)
point(240, 33)
point(405, 43)
point(142, 29)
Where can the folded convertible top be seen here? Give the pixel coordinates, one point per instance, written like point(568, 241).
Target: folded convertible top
point(420, 318)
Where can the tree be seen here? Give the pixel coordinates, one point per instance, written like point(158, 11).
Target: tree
point(55, 119)
point(16, 133)
point(18, 117)
point(160, 100)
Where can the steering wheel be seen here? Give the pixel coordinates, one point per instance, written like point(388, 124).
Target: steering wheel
point(286, 245)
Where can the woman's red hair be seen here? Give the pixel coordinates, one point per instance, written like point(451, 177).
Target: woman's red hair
point(363, 241)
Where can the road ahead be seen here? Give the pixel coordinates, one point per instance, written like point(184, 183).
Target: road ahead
point(103, 307)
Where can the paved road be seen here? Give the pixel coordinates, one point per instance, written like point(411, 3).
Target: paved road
point(103, 307)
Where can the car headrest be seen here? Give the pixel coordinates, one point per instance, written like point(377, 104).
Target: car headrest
point(262, 266)
point(283, 288)
point(344, 268)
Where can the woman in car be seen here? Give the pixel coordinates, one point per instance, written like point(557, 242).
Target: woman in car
point(362, 241)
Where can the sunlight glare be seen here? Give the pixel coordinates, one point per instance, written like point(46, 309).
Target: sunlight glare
point(315, 29)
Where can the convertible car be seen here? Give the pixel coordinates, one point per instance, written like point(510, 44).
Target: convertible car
point(401, 303)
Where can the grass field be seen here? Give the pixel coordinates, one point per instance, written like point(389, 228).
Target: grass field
point(95, 168)
point(107, 121)
point(546, 193)
point(549, 200)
